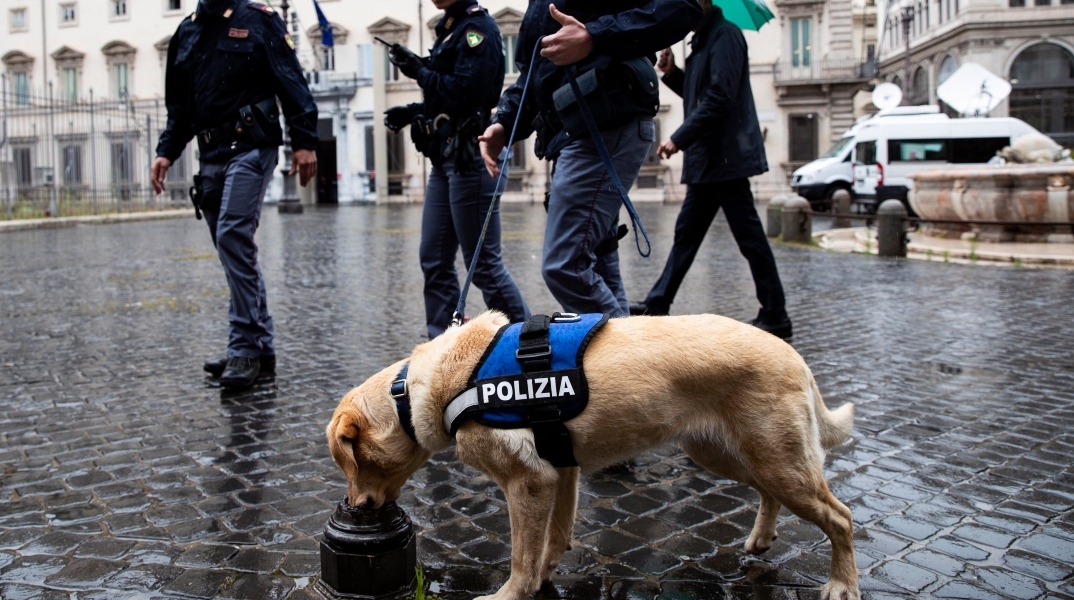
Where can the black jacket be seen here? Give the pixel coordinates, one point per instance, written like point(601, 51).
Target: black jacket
point(226, 56)
point(719, 134)
point(621, 30)
point(465, 70)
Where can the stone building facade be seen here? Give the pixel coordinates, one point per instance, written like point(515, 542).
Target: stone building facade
point(1028, 42)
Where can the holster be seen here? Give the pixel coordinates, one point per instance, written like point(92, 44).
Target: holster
point(421, 134)
point(612, 93)
point(195, 195)
point(251, 124)
point(464, 145)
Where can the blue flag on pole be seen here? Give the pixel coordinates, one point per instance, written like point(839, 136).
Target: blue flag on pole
point(326, 27)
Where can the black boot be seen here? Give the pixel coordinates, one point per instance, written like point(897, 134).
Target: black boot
point(215, 368)
point(641, 308)
point(781, 328)
point(240, 373)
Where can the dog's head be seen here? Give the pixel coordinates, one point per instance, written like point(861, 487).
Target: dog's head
point(365, 436)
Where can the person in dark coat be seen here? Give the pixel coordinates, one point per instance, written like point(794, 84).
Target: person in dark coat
point(460, 83)
point(723, 147)
point(228, 64)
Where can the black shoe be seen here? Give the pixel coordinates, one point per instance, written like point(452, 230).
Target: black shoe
point(240, 373)
point(781, 329)
point(640, 308)
point(215, 368)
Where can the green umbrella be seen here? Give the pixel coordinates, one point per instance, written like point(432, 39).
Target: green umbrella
point(747, 14)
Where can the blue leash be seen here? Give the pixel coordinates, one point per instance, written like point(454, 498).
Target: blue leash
point(602, 150)
point(598, 141)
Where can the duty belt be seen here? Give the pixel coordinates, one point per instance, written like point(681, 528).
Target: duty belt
point(241, 129)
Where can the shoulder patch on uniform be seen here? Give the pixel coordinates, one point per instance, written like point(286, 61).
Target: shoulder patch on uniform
point(265, 8)
point(473, 9)
point(290, 41)
point(474, 38)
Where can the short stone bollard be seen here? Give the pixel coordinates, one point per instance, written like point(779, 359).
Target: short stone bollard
point(841, 206)
point(890, 229)
point(797, 223)
point(368, 554)
point(775, 214)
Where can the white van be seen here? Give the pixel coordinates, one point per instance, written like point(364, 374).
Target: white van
point(833, 171)
point(886, 152)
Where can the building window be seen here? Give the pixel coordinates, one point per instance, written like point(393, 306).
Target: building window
point(22, 88)
point(370, 150)
point(18, 19)
point(121, 163)
point(173, 5)
point(919, 91)
point(119, 9)
point(396, 152)
point(801, 48)
point(1043, 96)
point(803, 138)
point(121, 75)
point(328, 58)
point(72, 165)
point(1042, 2)
point(1017, 3)
point(70, 84)
point(24, 167)
point(510, 44)
point(365, 61)
point(68, 14)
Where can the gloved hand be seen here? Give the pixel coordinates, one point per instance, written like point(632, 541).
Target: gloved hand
point(408, 62)
point(398, 117)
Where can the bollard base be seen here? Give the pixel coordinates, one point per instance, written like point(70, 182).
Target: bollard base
point(368, 554)
point(289, 208)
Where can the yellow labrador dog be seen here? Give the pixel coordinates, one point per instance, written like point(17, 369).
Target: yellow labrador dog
point(740, 402)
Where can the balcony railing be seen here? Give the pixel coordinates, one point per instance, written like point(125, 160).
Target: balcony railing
point(824, 71)
point(330, 82)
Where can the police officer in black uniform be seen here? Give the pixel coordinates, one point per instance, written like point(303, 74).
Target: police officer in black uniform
point(461, 82)
point(228, 63)
point(611, 46)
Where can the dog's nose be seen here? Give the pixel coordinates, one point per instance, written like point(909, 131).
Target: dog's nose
point(367, 504)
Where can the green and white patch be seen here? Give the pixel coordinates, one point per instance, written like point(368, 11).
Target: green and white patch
point(474, 39)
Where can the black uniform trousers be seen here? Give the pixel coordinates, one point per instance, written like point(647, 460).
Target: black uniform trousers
point(703, 201)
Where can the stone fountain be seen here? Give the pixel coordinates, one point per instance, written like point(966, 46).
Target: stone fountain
point(1031, 190)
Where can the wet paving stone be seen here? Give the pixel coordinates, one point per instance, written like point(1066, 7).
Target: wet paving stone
point(127, 475)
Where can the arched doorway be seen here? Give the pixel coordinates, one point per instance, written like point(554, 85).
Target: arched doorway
point(919, 91)
point(1043, 96)
point(948, 66)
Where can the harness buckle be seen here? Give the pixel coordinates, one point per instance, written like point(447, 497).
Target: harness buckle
point(566, 317)
point(399, 389)
point(534, 352)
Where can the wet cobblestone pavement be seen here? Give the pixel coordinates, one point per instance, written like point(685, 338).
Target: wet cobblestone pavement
point(126, 475)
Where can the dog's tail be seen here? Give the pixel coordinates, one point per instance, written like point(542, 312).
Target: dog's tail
point(835, 425)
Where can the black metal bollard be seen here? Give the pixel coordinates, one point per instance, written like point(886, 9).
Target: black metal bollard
point(368, 554)
point(775, 214)
point(890, 231)
point(797, 221)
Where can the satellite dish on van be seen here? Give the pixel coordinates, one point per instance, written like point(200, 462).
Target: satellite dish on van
point(887, 95)
point(973, 90)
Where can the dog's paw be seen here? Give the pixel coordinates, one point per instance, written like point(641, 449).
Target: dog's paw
point(837, 590)
point(759, 544)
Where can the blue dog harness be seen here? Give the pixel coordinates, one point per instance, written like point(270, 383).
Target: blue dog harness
point(530, 376)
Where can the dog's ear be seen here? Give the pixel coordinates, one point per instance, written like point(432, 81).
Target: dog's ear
point(343, 434)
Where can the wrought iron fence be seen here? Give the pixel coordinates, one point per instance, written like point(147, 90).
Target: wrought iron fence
point(84, 157)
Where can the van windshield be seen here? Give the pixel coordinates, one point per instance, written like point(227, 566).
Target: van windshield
point(838, 147)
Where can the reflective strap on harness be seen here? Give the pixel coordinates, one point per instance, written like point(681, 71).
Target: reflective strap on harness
point(457, 407)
